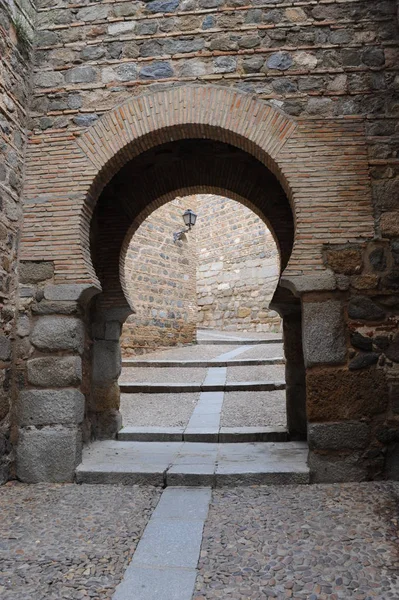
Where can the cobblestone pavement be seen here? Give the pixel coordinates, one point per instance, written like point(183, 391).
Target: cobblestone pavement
point(320, 542)
point(68, 541)
point(254, 409)
point(157, 410)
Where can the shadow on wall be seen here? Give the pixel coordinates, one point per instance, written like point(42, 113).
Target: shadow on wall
point(221, 275)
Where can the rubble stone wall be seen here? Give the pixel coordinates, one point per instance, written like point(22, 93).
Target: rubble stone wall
point(16, 23)
point(237, 269)
point(160, 279)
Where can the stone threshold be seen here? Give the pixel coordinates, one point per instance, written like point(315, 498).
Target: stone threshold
point(234, 386)
point(193, 464)
point(220, 435)
point(243, 362)
point(241, 342)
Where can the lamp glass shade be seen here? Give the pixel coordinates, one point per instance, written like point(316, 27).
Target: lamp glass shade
point(189, 218)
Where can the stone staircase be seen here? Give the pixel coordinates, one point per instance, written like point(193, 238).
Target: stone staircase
point(202, 452)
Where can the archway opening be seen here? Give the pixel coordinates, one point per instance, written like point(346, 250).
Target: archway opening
point(215, 284)
point(147, 182)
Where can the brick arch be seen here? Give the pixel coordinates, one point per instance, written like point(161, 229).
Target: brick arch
point(315, 161)
point(182, 112)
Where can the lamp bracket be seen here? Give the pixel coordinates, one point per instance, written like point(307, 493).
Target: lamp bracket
point(179, 234)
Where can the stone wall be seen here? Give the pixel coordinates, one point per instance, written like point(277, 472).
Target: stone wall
point(238, 268)
point(332, 69)
point(16, 21)
point(160, 281)
point(221, 275)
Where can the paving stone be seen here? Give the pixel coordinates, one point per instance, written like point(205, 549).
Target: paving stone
point(144, 583)
point(170, 544)
point(178, 503)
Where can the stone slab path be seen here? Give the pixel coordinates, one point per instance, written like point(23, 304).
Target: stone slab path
point(165, 562)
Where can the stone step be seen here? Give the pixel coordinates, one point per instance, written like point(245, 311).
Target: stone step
point(241, 342)
point(222, 434)
point(243, 362)
point(233, 386)
point(190, 463)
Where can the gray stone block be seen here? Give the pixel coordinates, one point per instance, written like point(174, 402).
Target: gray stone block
point(170, 543)
point(49, 307)
point(164, 584)
point(81, 75)
point(32, 272)
point(352, 435)
point(107, 361)
point(225, 64)
point(324, 281)
point(55, 371)
point(151, 434)
point(49, 454)
point(392, 462)
point(336, 469)
point(127, 72)
point(183, 504)
point(5, 348)
point(162, 6)
point(113, 330)
point(156, 70)
point(362, 307)
point(59, 333)
point(46, 407)
point(93, 13)
point(323, 333)
point(23, 326)
point(280, 61)
point(67, 291)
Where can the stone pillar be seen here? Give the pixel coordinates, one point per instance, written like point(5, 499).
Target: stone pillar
point(289, 308)
point(50, 408)
point(337, 431)
point(103, 410)
point(295, 376)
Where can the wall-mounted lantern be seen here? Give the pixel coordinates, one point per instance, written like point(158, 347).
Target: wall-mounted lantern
point(189, 218)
